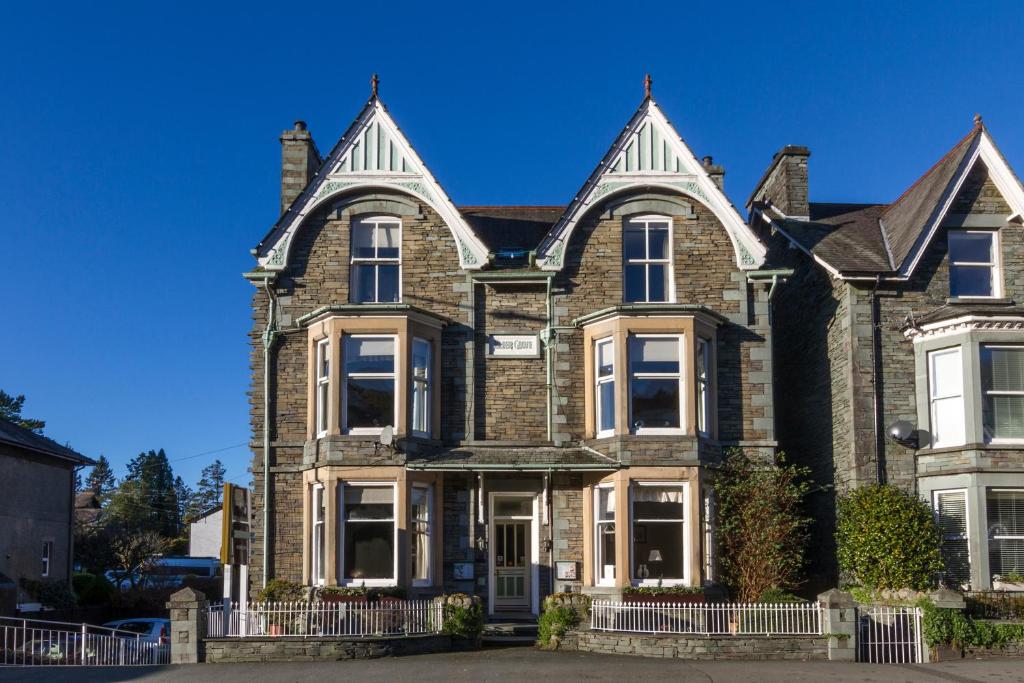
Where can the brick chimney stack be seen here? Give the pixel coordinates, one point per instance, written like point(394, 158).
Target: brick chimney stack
point(784, 184)
point(716, 171)
point(299, 162)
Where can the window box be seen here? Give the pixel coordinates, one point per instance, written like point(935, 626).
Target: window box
point(667, 597)
point(1010, 586)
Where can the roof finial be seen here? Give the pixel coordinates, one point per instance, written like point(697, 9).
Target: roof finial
point(374, 82)
point(648, 82)
point(977, 119)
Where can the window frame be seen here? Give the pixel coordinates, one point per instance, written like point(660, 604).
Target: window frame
point(994, 265)
point(598, 523)
point(988, 523)
point(984, 393)
point(344, 522)
point(598, 382)
point(394, 375)
point(647, 261)
point(46, 555)
point(702, 385)
point(413, 533)
point(322, 388)
point(680, 376)
point(966, 535)
point(683, 523)
point(318, 543)
point(374, 261)
point(933, 399)
point(427, 384)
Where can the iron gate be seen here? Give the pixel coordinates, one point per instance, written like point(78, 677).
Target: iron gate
point(889, 634)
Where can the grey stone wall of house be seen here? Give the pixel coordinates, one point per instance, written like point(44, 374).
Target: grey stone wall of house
point(37, 509)
point(567, 516)
point(800, 648)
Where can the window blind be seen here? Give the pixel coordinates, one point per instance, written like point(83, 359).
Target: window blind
point(951, 510)
point(1005, 511)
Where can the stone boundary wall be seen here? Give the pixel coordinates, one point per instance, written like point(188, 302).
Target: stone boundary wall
point(305, 649)
point(802, 648)
point(1011, 649)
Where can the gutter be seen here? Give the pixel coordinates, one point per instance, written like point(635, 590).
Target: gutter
point(494, 467)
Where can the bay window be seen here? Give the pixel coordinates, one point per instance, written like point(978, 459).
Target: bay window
point(368, 534)
point(973, 263)
point(703, 366)
point(1002, 388)
point(647, 253)
point(951, 515)
point(946, 397)
point(604, 391)
point(421, 499)
point(376, 264)
point(658, 533)
point(317, 540)
point(421, 387)
point(323, 385)
point(1005, 508)
point(369, 392)
point(655, 383)
point(604, 535)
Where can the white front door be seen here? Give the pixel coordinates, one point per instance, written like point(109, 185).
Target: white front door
point(513, 558)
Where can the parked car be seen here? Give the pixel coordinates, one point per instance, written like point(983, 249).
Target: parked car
point(149, 630)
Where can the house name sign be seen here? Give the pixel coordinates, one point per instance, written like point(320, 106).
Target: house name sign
point(513, 346)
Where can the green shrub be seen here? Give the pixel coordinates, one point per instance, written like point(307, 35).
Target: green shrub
point(554, 622)
point(92, 589)
point(464, 621)
point(662, 590)
point(777, 596)
point(887, 538)
point(279, 590)
point(51, 593)
point(953, 627)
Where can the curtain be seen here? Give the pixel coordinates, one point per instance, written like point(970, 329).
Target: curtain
point(657, 494)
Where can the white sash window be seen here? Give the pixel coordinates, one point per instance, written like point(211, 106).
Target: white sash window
point(946, 397)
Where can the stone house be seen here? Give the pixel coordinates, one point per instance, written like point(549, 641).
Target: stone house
point(901, 347)
point(501, 400)
point(37, 515)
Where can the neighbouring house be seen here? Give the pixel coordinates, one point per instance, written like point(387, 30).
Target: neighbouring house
point(37, 515)
point(558, 379)
point(900, 347)
point(206, 533)
point(87, 508)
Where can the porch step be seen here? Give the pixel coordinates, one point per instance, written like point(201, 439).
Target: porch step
point(510, 632)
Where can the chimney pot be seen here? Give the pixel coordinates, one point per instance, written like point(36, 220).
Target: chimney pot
point(708, 161)
point(300, 125)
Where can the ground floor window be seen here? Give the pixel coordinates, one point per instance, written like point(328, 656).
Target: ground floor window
point(604, 535)
point(47, 557)
point(659, 533)
point(368, 533)
point(317, 541)
point(419, 521)
point(1005, 508)
point(951, 514)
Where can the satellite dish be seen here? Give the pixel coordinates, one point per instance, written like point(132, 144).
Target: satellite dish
point(387, 435)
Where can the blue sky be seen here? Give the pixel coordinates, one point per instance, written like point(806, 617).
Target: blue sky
point(139, 160)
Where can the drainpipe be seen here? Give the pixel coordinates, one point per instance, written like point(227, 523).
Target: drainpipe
point(269, 336)
point(549, 370)
point(876, 400)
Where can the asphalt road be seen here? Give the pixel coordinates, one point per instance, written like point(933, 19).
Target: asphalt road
point(533, 666)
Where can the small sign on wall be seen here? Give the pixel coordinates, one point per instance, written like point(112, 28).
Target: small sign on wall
point(566, 570)
point(513, 346)
point(462, 571)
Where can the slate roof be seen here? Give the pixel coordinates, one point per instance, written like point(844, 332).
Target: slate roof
point(19, 437)
point(514, 457)
point(511, 227)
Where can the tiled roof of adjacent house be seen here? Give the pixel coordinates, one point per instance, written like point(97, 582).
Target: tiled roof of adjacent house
point(514, 457)
point(511, 227)
point(19, 437)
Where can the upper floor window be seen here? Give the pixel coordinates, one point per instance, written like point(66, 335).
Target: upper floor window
point(1002, 389)
point(946, 397)
point(647, 252)
point(376, 274)
point(369, 392)
point(973, 263)
point(703, 367)
point(323, 384)
point(422, 380)
point(655, 383)
point(604, 391)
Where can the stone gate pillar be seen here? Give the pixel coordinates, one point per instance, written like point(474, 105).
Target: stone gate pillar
point(188, 625)
point(839, 623)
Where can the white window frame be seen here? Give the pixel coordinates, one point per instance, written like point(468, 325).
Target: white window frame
point(426, 384)
point(376, 261)
point(598, 382)
point(684, 523)
point(429, 580)
point(680, 375)
point(47, 557)
point(703, 386)
point(993, 392)
point(994, 265)
point(599, 580)
point(394, 376)
point(966, 535)
point(646, 221)
point(344, 522)
point(1000, 537)
point(317, 523)
point(933, 399)
point(323, 385)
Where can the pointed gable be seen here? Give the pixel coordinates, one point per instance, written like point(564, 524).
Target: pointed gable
point(649, 153)
point(372, 154)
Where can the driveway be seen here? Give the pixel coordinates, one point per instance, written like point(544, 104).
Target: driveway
point(527, 664)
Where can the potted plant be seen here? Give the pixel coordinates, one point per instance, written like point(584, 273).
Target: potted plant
point(664, 595)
